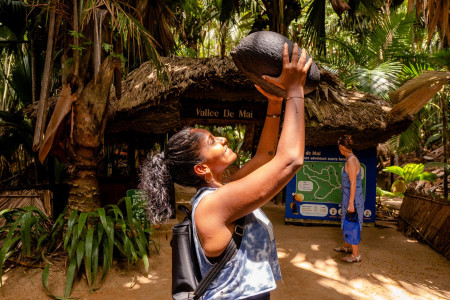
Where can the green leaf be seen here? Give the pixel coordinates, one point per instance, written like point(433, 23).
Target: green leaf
point(412, 172)
point(107, 259)
point(70, 276)
point(12, 229)
point(45, 277)
point(70, 224)
point(35, 210)
point(25, 232)
point(4, 254)
point(102, 214)
point(394, 169)
point(88, 254)
point(431, 177)
point(40, 240)
point(81, 222)
point(95, 252)
point(129, 208)
point(80, 253)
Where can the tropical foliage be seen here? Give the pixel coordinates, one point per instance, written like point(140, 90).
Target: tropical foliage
point(409, 173)
point(89, 240)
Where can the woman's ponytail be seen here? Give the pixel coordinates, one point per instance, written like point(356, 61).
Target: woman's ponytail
point(155, 180)
point(174, 165)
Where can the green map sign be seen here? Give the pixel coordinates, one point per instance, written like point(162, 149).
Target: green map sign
point(139, 201)
point(321, 181)
point(315, 191)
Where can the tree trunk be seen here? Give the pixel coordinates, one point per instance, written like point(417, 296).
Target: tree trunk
point(223, 39)
point(444, 141)
point(76, 56)
point(34, 80)
point(7, 71)
point(45, 84)
point(90, 116)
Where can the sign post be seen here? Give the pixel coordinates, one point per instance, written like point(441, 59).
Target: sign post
point(314, 194)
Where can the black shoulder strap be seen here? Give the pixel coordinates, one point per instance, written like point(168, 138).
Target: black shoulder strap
point(233, 246)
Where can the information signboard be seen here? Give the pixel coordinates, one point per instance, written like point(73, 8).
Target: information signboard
point(314, 193)
point(139, 201)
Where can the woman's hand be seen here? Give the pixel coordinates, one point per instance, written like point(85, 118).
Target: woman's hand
point(269, 96)
point(294, 72)
point(351, 207)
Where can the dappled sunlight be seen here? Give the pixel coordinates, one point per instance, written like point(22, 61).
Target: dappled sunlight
point(352, 288)
point(314, 247)
point(137, 281)
point(327, 267)
point(411, 241)
point(282, 253)
point(344, 279)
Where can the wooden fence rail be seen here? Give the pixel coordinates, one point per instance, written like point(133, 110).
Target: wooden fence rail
point(427, 219)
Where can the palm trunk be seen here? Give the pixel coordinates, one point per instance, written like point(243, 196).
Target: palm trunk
point(7, 71)
point(223, 38)
point(45, 84)
point(34, 79)
point(76, 56)
point(90, 116)
point(444, 141)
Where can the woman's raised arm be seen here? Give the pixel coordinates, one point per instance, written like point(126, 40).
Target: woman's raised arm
point(267, 145)
point(239, 198)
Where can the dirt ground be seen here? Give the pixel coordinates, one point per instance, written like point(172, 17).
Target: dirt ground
point(393, 267)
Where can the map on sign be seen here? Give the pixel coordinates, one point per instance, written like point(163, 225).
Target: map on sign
point(139, 200)
point(321, 181)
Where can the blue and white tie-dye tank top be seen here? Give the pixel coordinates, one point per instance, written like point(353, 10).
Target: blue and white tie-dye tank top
point(253, 270)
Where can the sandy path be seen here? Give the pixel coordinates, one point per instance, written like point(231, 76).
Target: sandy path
point(393, 267)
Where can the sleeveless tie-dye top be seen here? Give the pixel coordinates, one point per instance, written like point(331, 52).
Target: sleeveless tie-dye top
point(253, 270)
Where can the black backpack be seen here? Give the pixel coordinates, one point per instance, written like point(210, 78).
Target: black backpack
point(187, 282)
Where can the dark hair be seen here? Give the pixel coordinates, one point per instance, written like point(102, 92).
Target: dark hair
point(175, 164)
point(346, 141)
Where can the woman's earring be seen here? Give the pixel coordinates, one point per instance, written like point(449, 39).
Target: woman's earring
point(211, 180)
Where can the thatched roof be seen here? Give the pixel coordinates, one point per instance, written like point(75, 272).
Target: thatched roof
point(147, 105)
point(150, 106)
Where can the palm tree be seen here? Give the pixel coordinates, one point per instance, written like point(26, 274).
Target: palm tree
point(104, 35)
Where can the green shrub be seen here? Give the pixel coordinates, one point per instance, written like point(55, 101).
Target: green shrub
point(409, 173)
point(90, 240)
point(25, 236)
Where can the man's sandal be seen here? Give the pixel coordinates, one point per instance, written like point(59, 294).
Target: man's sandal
point(343, 250)
point(351, 259)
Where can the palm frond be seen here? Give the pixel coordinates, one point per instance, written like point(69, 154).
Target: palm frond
point(380, 80)
point(12, 14)
point(415, 93)
point(409, 140)
point(315, 26)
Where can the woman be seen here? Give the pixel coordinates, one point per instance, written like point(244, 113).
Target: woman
point(352, 194)
point(194, 157)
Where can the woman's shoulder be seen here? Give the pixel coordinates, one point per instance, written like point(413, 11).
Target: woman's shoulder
point(353, 162)
point(201, 192)
point(353, 159)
